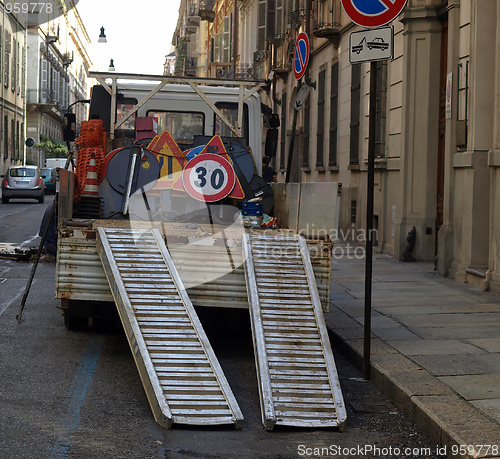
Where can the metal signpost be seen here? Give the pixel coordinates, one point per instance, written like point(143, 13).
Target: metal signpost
point(300, 60)
point(371, 45)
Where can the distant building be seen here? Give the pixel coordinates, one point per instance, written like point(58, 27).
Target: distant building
point(12, 88)
point(57, 56)
point(169, 66)
point(437, 136)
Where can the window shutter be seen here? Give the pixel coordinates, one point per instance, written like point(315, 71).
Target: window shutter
point(334, 103)
point(43, 79)
point(279, 32)
point(217, 40)
point(271, 19)
point(355, 113)
point(302, 7)
point(261, 25)
point(226, 39)
point(14, 65)
point(6, 59)
point(320, 134)
point(290, 11)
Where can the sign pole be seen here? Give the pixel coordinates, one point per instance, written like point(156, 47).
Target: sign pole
point(290, 148)
point(369, 220)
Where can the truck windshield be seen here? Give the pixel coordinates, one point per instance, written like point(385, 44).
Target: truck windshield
point(182, 125)
point(230, 111)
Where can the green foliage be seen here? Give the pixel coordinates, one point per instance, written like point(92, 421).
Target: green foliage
point(51, 147)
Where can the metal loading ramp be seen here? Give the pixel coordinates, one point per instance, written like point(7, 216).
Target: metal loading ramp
point(182, 378)
point(298, 380)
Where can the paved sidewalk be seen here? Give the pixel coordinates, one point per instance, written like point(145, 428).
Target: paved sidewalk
point(435, 345)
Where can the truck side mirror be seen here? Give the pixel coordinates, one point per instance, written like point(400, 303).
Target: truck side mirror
point(69, 127)
point(271, 142)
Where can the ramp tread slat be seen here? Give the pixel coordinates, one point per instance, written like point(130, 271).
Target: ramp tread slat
point(298, 380)
point(171, 350)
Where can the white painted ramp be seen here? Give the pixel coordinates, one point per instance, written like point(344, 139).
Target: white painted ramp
point(298, 380)
point(179, 371)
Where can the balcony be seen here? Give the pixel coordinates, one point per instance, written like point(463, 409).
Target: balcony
point(238, 72)
point(191, 66)
point(42, 97)
point(205, 10)
point(326, 17)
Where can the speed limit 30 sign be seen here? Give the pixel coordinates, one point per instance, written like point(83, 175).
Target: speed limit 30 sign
point(208, 177)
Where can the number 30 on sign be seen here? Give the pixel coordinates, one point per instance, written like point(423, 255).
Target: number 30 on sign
point(208, 177)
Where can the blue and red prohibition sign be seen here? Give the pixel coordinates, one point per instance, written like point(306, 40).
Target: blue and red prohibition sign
point(373, 13)
point(301, 55)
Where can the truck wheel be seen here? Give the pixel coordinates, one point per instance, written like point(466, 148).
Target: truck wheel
point(73, 323)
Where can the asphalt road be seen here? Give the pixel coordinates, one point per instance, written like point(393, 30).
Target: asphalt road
point(78, 394)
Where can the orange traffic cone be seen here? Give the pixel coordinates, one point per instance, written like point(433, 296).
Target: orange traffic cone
point(91, 187)
point(90, 203)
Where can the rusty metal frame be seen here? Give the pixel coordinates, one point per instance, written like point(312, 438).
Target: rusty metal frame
point(101, 77)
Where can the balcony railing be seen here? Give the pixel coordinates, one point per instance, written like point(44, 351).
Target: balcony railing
point(42, 96)
point(240, 72)
point(326, 16)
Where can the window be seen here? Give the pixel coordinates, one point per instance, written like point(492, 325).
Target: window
point(320, 136)
point(13, 138)
point(381, 109)
point(230, 111)
point(261, 25)
point(14, 65)
point(6, 58)
point(18, 139)
point(22, 172)
point(305, 140)
point(44, 78)
point(355, 113)
point(284, 107)
point(271, 19)
point(123, 106)
point(226, 38)
point(182, 125)
point(217, 47)
point(23, 73)
point(279, 30)
point(6, 137)
point(353, 212)
point(334, 107)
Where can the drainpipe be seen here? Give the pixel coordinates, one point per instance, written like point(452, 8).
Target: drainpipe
point(235, 36)
point(308, 32)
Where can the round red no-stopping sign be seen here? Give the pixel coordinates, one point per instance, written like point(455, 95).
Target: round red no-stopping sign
point(373, 13)
point(301, 55)
point(208, 177)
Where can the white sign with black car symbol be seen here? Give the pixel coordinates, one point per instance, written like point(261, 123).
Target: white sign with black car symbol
point(371, 45)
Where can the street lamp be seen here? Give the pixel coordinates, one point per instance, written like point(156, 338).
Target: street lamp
point(102, 37)
point(111, 66)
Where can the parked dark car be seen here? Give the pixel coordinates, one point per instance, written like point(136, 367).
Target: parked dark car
point(23, 182)
point(49, 178)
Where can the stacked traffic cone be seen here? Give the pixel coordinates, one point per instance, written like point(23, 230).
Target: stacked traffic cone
point(90, 203)
point(92, 141)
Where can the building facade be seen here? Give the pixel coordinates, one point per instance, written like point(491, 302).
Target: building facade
point(437, 120)
point(13, 87)
point(56, 77)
